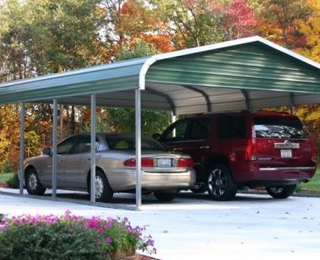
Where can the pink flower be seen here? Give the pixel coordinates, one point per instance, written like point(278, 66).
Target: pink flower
point(108, 240)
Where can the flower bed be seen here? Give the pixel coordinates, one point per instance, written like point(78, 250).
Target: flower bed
point(69, 237)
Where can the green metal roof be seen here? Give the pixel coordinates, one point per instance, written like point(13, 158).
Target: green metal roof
point(241, 74)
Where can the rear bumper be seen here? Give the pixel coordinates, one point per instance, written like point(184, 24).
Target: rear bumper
point(275, 176)
point(151, 181)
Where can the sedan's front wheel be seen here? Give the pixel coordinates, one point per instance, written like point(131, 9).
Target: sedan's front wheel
point(33, 185)
point(104, 192)
point(281, 192)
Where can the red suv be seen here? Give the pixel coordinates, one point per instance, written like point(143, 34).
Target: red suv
point(236, 150)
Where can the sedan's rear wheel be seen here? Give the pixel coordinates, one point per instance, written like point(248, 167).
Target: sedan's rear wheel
point(165, 196)
point(33, 185)
point(103, 192)
point(281, 192)
point(220, 183)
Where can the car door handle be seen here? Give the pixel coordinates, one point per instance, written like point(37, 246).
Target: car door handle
point(177, 149)
point(204, 147)
point(89, 158)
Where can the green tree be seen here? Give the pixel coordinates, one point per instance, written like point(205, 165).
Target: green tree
point(123, 120)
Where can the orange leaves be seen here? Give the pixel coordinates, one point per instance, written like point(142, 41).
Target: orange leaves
point(279, 21)
point(162, 42)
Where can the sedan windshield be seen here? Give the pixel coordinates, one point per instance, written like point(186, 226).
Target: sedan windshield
point(127, 142)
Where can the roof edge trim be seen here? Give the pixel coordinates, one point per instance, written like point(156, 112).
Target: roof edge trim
point(289, 52)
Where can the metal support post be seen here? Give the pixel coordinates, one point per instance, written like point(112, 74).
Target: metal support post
point(21, 172)
point(93, 149)
point(138, 147)
point(54, 148)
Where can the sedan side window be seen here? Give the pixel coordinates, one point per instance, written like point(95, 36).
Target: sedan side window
point(177, 133)
point(83, 144)
point(66, 146)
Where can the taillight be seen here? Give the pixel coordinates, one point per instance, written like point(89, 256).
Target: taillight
point(185, 162)
point(250, 153)
point(145, 162)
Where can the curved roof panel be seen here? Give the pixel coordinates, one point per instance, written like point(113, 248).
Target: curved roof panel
point(241, 74)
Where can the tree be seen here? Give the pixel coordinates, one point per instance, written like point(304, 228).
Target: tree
point(200, 22)
point(127, 20)
point(122, 120)
point(279, 21)
point(311, 29)
point(13, 62)
point(238, 20)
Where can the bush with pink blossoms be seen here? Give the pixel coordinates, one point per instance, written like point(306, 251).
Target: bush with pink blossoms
point(69, 237)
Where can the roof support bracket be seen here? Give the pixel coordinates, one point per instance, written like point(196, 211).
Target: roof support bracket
point(246, 97)
point(169, 100)
point(203, 93)
point(292, 103)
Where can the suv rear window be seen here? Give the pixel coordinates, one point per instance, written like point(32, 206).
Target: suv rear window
point(279, 127)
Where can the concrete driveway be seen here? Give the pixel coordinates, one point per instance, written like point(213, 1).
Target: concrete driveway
point(194, 227)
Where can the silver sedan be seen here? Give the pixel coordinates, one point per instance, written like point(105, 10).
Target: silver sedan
point(163, 173)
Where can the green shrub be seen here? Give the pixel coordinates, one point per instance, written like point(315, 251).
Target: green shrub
point(13, 182)
point(68, 237)
point(6, 167)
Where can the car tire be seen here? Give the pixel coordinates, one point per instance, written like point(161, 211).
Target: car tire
point(165, 196)
point(199, 189)
point(220, 184)
point(281, 192)
point(33, 184)
point(104, 192)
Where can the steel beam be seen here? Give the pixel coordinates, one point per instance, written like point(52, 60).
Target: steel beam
point(93, 150)
point(54, 148)
point(21, 172)
point(138, 147)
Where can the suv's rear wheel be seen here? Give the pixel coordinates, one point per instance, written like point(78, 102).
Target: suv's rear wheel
point(220, 183)
point(281, 192)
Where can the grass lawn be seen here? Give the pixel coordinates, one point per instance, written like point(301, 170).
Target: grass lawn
point(4, 177)
point(313, 186)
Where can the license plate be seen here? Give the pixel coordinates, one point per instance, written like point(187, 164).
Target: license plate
point(286, 153)
point(164, 162)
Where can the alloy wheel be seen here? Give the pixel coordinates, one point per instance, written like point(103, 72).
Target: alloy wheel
point(217, 182)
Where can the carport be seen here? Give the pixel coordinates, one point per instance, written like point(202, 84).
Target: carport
point(244, 74)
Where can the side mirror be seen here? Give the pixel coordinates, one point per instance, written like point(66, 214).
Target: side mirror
point(47, 151)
